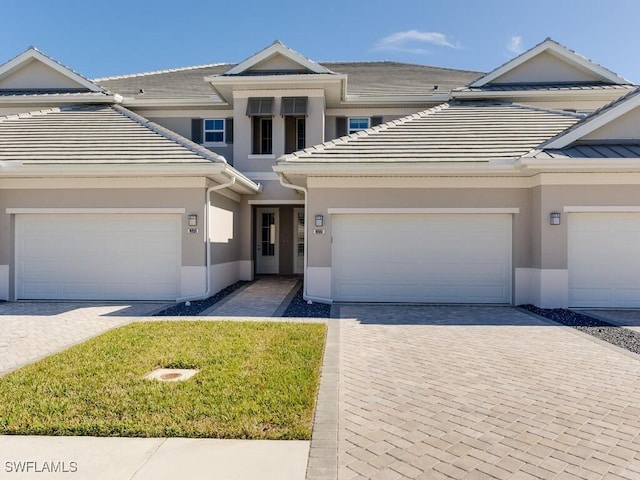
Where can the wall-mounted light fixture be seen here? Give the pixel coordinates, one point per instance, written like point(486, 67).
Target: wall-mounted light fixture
point(319, 220)
point(193, 220)
point(554, 218)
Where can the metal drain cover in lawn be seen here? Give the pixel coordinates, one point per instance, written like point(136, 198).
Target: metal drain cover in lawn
point(171, 374)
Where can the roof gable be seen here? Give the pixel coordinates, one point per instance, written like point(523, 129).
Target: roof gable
point(617, 121)
point(276, 58)
point(549, 62)
point(33, 70)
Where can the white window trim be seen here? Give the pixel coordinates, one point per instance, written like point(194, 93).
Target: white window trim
point(223, 143)
point(351, 131)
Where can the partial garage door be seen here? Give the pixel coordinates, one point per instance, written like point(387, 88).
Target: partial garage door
point(98, 256)
point(604, 259)
point(439, 258)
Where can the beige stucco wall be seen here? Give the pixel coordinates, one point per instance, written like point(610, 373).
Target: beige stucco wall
point(552, 240)
point(320, 199)
point(192, 199)
point(622, 128)
point(36, 74)
point(545, 67)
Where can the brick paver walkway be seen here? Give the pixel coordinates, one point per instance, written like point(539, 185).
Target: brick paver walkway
point(32, 330)
point(482, 393)
point(260, 299)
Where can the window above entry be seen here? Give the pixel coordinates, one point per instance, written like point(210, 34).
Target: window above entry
point(214, 130)
point(260, 107)
point(293, 106)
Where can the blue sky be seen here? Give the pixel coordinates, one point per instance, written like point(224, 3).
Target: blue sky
point(128, 36)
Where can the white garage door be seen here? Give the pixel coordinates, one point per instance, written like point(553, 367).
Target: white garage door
point(98, 256)
point(604, 259)
point(440, 258)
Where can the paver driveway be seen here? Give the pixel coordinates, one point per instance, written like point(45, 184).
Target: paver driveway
point(31, 330)
point(482, 392)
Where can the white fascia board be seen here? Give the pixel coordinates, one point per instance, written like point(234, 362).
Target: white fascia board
point(559, 51)
point(212, 101)
point(215, 171)
point(277, 48)
point(590, 124)
point(603, 94)
point(480, 166)
point(390, 100)
point(33, 54)
point(57, 99)
point(580, 164)
point(277, 79)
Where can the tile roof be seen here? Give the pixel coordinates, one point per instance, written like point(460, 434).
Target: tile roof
point(94, 135)
point(458, 131)
point(364, 78)
point(595, 150)
point(546, 87)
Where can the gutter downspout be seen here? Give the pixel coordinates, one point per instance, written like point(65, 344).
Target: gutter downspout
point(207, 202)
point(286, 184)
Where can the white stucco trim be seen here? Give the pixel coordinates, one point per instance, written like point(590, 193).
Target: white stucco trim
point(79, 211)
point(319, 284)
point(603, 209)
point(340, 211)
point(4, 282)
point(223, 275)
point(192, 280)
point(276, 202)
point(245, 269)
point(545, 288)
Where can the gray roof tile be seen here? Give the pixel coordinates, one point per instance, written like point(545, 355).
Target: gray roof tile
point(94, 135)
point(364, 79)
point(459, 131)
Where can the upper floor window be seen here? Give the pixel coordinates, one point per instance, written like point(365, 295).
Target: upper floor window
point(214, 130)
point(357, 124)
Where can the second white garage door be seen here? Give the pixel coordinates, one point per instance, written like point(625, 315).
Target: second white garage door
point(98, 256)
point(604, 259)
point(435, 258)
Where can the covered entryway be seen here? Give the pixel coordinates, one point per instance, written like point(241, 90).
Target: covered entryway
point(604, 259)
point(279, 231)
point(416, 257)
point(97, 256)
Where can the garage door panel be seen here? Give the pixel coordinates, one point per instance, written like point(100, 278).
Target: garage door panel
point(422, 258)
point(98, 256)
point(604, 259)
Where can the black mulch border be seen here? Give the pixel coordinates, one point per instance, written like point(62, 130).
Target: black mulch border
point(199, 306)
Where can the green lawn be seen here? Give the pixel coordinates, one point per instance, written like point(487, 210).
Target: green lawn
point(257, 380)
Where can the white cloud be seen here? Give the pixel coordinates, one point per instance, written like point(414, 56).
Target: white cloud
point(514, 45)
point(411, 41)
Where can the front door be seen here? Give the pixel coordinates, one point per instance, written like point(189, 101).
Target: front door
point(298, 240)
point(267, 259)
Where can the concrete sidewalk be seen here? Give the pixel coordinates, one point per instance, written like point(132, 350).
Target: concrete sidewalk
point(34, 457)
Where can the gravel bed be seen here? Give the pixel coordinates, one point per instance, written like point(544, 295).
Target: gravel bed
point(299, 308)
point(198, 306)
point(614, 334)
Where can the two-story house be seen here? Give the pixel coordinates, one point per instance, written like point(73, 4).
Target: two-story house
point(378, 181)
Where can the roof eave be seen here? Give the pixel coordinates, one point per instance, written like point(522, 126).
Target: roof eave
point(218, 172)
point(604, 94)
point(484, 166)
point(57, 99)
point(579, 164)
